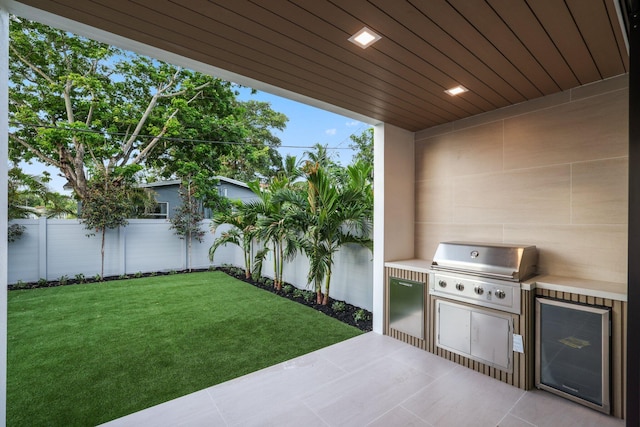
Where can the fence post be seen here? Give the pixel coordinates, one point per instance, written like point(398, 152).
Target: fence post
point(42, 248)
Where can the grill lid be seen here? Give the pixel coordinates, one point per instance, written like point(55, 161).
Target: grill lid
point(501, 261)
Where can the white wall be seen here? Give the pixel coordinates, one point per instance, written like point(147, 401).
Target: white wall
point(51, 249)
point(4, 143)
point(394, 206)
point(352, 275)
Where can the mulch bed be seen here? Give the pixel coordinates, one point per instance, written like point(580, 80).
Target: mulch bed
point(344, 312)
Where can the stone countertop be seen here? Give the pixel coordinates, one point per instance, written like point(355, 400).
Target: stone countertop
point(595, 288)
point(417, 265)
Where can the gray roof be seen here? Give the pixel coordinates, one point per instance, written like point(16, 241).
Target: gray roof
point(178, 181)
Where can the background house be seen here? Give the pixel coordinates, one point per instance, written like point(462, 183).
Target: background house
point(167, 194)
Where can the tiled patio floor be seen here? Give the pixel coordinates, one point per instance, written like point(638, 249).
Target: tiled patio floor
point(370, 380)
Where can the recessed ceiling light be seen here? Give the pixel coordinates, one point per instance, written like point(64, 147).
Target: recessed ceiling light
point(456, 90)
point(364, 38)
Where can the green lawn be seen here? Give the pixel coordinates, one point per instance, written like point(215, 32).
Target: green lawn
point(86, 354)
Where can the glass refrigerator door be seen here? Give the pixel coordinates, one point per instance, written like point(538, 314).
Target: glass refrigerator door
point(572, 351)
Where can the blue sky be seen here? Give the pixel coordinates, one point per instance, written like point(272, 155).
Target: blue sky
point(309, 125)
point(306, 126)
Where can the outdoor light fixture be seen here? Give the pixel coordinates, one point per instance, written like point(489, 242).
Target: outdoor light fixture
point(456, 90)
point(364, 38)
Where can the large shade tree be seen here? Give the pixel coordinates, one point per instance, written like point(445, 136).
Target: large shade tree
point(258, 155)
point(87, 108)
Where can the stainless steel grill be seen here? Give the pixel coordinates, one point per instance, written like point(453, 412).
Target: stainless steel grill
point(483, 274)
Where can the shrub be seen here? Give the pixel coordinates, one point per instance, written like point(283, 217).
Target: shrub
point(360, 315)
point(339, 306)
point(172, 272)
point(80, 278)
point(14, 232)
point(123, 276)
point(309, 296)
point(63, 280)
point(97, 278)
point(20, 285)
point(138, 275)
point(42, 281)
point(287, 289)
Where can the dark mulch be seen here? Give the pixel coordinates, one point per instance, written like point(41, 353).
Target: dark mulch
point(341, 310)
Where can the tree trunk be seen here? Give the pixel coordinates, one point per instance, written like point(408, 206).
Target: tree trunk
point(325, 300)
point(189, 251)
point(327, 283)
point(281, 266)
point(275, 265)
point(104, 229)
point(247, 261)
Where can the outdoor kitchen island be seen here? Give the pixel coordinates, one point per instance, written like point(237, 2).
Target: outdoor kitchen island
point(606, 294)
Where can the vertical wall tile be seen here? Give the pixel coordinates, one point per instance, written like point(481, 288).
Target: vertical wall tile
point(434, 200)
point(600, 191)
point(593, 252)
point(539, 196)
point(551, 173)
point(469, 151)
point(588, 129)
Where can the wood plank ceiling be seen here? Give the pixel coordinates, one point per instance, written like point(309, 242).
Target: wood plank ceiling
point(503, 51)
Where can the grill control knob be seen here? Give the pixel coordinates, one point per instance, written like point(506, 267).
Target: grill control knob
point(478, 290)
point(442, 284)
point(500, 294)
point(460, 286)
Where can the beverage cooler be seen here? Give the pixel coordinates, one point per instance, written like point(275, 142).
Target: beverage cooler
point(573, 351)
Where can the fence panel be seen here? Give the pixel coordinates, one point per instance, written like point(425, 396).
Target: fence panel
point(69, 251)
point(23, 257)
point(151, 246)
point(51, 249)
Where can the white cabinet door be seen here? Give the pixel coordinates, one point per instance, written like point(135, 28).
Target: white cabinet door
point(475, 333)
point(454, 322)
point(490, 338)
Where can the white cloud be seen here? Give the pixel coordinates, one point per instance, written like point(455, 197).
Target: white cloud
point(331, 132)
point(352, 123)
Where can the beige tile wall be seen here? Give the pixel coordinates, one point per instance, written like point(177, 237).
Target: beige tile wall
point(551, 172)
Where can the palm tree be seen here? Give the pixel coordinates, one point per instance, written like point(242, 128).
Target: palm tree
point(276, 225)
point(243, 219)
point(30, 195)
point(290, 170)
point(335, 216)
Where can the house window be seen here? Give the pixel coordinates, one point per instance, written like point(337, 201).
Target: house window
point(222, 191)
point(161, 210)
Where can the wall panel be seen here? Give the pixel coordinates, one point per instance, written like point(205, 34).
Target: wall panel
point(550, 172)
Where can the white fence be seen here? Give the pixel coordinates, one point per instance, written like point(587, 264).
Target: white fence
point(50, 249)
